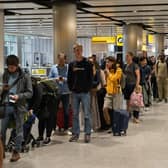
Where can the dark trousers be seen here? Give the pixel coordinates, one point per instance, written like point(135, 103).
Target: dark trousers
point(136, 114)
point(100, 98)
point(45, 124)
point(154, 87)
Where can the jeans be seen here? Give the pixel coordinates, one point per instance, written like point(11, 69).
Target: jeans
point(83, 98)
point(64, 98)
point(18, 118)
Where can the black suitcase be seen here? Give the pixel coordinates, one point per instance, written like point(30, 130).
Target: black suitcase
point(120, 122)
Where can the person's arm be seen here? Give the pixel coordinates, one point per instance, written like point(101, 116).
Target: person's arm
point(156, 68)
point(116, 76)
point(70, 76)
point(28, 92)
point(90, 76)
point(137, 72)
point(1, 154)
point(66, 77)
point(102, 78)
point(53, 72)
point(37, 98)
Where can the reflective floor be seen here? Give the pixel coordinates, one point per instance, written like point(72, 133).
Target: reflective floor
point(146, 146)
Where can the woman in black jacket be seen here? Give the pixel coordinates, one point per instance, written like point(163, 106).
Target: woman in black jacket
point(43, 105)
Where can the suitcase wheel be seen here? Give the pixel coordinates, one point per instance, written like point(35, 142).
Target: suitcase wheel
point(116, 134)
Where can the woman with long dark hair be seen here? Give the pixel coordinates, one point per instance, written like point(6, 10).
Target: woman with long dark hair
point(113, 77)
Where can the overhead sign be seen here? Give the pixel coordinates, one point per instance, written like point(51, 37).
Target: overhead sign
point(39, 72)
point(151, 39)
point(120, 40)
point(111, 40)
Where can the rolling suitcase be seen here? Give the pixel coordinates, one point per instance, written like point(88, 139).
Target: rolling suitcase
point(60, 118)
point(120, 122)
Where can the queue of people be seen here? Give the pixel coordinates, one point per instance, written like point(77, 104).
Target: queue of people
point(96, 90)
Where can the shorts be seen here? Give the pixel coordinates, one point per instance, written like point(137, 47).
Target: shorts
point(129, 88)
point(112, 101)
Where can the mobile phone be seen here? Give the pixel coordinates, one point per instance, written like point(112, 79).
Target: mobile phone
point(11, 99)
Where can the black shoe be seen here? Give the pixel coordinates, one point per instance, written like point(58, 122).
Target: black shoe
point(39, 139)
point(87, 138)
point(100, 130)
point(47, 141)
point(74, 138)
point(160, 100)
point(147, 105)
point(165, 100)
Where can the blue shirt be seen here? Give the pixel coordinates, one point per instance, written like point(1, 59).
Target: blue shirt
point(58, 71)
point(13, 90)
point(145, 73)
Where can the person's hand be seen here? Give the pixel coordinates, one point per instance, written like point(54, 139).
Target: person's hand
point(106, 71)
point(57, 79)
point(137, 85)
point(15, 97)
point(30, 112)
point(61, 79)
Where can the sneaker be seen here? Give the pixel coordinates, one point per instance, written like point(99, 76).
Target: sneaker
point(15, 156)
point(47, 141)
point(109, 131)
point(136, 121)
point(87, 138)
point(74, 138)
point(67, 132)
point(146, 108)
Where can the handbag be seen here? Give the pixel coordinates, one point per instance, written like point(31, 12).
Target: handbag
point(136, 100)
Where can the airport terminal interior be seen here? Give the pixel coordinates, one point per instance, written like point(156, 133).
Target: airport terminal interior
point(37, 31)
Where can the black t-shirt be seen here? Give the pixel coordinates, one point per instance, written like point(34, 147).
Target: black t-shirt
point(80, 76)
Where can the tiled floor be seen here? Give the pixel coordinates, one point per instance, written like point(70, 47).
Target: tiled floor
point(146, 146)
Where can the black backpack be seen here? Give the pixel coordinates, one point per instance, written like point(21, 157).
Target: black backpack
point(49, 88)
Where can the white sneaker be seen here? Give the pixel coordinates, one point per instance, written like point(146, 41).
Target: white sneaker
point(146, 108)
point(67, 132)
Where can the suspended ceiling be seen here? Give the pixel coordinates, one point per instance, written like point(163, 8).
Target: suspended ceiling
point(94, 17)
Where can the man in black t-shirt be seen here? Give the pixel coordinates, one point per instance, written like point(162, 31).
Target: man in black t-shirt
point(80, 77)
